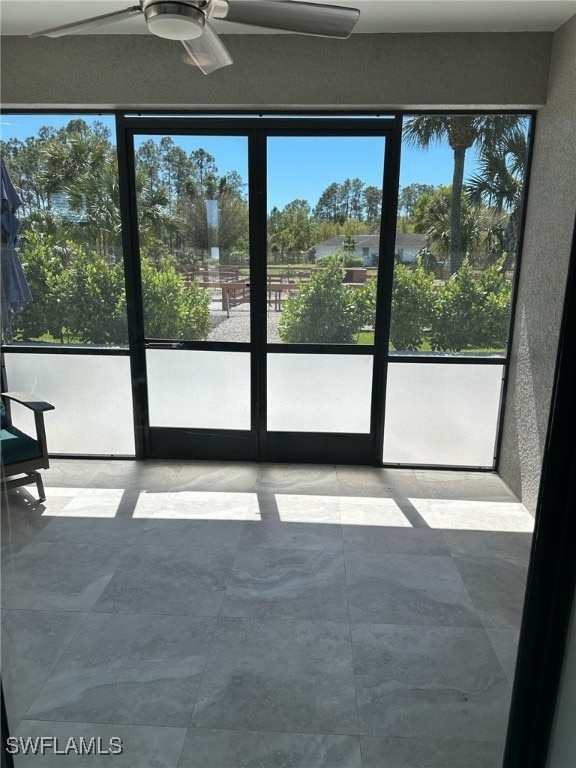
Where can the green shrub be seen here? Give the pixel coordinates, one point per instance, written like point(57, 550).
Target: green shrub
point(98, 301)
point(237, 258)
point(173, 310)
point(76, 296)
point(48, 312)
point(412, 299)
point(472, 311)
point(324, 310)
point(343, 259)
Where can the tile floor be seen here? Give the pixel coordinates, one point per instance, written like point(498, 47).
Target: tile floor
point(269, 616)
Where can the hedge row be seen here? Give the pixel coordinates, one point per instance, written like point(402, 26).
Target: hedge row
point(79, 297)
point(469, 311)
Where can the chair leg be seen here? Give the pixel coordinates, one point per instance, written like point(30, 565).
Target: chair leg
point(39, 486)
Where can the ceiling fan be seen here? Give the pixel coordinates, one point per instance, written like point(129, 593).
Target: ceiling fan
point(189, 22)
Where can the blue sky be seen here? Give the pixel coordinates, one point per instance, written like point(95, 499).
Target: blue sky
point(298, 167)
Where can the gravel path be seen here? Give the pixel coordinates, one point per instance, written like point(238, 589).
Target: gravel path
point(237, 326)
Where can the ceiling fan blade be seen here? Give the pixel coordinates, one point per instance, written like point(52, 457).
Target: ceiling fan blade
point(95, 21)
point(207, 52)
point(306, 18)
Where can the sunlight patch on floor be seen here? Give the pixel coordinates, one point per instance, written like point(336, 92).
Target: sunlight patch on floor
point(460, 514)
point(197, 505)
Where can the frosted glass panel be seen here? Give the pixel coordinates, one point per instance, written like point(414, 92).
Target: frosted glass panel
point(442, 414)
point(197, 389)
point(319, 393)
point(92, 395)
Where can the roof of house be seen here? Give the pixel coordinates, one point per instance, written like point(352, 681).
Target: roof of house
point(403, 240)
point(410, 240)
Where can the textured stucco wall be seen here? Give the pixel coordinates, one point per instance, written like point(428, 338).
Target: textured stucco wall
point(280, 71)
point(547, 240)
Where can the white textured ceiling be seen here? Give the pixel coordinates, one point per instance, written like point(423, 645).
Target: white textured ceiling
point(21, 17)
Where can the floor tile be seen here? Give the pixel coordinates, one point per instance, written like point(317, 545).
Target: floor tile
point(288, 583)
point(221, 476)
point(58, 577)
point(277, 535)
point(505, 644)
point(196, 505)
point(429, 753)
point(509, 545)
point(268, 674)
point(21, 521)
point(13, 723)
point(473, 486)
point(142, 746)
point(309, 479)
point(302, 508)
point(165, 475)
point(373, 481)
point(191, 533)
point(407, 589)
point(362, 481)
point(72, 472)
point(496, 587)
point(435, 553)
point(181, 580)
point(150, 475)
point(419, 682)
point(139, 670)
point(394, 541)
point(32, 643)
point(371, 510)
point(466, 515)
point(101, 531)
point(208, 748)
point(99, 503)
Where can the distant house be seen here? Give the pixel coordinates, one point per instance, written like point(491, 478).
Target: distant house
point(367, 247)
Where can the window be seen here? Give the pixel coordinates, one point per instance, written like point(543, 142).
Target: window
point(65, 170)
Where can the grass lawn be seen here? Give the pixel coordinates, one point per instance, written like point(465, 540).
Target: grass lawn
point(367, 337)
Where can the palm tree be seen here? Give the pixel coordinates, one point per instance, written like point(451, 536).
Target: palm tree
point(499, 184)
point(462, 132)
point(437, 220)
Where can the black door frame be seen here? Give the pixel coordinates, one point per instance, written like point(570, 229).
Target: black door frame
point(258, 443)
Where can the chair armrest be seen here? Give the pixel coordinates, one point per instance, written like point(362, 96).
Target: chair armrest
point(34, 403)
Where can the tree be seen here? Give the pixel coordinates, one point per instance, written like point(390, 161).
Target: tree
point(372, 206)
point(172, 309)
point(323, 311)
point(462, 132)
point(412, 299)
point(291, 230)
point(499, 183)
point(149, 160)
point(204, 172)
point(472, 311)
point(410, 195)
point(78, 296)
point(432, 216)
point(220, 223)
point(330, 205)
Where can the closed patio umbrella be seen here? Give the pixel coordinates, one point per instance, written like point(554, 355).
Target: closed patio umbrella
point(15, 292)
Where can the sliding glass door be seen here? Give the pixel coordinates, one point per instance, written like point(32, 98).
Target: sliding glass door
point(256, 256)
point(324, 251)
point(192, 289)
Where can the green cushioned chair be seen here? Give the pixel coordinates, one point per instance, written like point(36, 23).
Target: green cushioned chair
point(22, 455)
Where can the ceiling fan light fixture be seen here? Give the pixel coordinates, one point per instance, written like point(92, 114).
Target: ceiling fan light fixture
point(174, 21)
